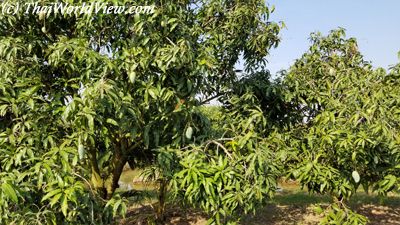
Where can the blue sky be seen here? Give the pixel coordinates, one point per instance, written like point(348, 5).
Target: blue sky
point(375, 24)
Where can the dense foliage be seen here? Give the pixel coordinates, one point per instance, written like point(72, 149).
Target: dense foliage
point(231, 175)
point(349, 133)
point(83, 95)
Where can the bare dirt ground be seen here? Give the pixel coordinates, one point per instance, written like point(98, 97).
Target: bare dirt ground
point(290, 206)
point(269, 215)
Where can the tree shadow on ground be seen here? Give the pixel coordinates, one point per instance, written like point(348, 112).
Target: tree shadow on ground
point(283, 215)
point(145, 214)
point(285, 209)
point(298, 208)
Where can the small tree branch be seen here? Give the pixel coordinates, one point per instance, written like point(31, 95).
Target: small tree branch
point(223, 148)
point(212, 98)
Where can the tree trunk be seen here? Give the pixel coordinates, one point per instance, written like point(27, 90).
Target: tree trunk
point(112, 182)
point(96, 179)
point(106, 186)
point(118, 162)
point(161, 201)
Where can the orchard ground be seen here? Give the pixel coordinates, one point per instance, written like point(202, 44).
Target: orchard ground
point(291, 205)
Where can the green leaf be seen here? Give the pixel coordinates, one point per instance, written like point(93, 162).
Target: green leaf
point(55, 199)
point(31, 103)
point(318, 209)
point(50, 194)
point(9, 191)
point(64, 205)
point(90, 121)
point(152, 93)
point(111, 121)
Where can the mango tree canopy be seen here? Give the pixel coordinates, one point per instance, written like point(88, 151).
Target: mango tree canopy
point(81, 95)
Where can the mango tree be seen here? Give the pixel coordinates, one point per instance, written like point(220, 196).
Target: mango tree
point(83, 94)
point(349, 134)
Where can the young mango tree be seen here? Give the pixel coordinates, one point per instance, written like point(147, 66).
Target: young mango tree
point(235, 169)
point(83, 94)
point(349, 135)
point(230, 175)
